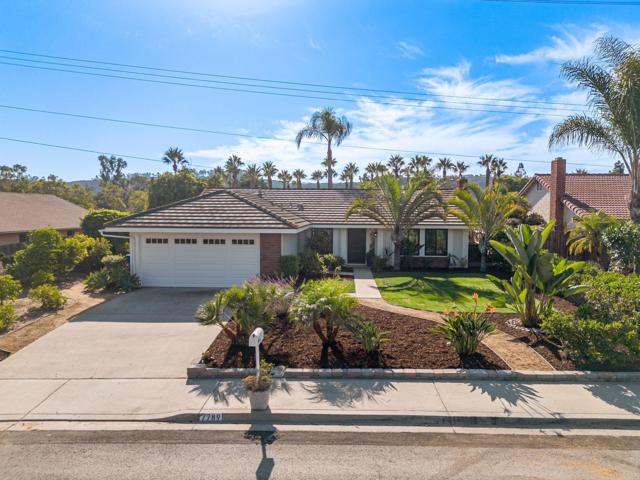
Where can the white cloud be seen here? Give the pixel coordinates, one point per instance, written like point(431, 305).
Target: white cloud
point(409, 50)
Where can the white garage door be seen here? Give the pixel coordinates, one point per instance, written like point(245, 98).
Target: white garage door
point(197, 260)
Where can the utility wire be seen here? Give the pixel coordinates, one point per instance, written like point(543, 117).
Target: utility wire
point(284, 82)
point(617, 3)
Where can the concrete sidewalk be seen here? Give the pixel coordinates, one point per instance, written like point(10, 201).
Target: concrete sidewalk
point(365, 283)
point(374, 401)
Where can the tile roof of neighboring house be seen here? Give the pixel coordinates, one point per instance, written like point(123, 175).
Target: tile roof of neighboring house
point(254, 208)
point(23, 212)
point(592, 192)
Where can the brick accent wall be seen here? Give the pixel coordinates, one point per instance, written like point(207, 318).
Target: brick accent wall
point(556, 207)
point(270, 252)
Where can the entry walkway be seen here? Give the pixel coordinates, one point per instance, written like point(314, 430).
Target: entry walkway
point(365, 283)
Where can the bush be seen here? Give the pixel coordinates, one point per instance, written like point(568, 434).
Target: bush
point(7, 315)
point(114, 275)
point(368, 335)
point(96, 250)
point(49, 297)
point(622, 240)
point(378, 263)
point(311, 264)
point(94, 221)
point(9, 288)
point(289, 265)
point(252, 384)
point(611, 296)
point(332, 262)
point(97, 281)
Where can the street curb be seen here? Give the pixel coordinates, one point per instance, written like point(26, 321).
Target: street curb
point(202, 371)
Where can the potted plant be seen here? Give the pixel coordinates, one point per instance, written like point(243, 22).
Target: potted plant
point(258, 386)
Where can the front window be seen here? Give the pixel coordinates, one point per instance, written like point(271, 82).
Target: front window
point(411, 243)
point(435, 242)
point(321, 240)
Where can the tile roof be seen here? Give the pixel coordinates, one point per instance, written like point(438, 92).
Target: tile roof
point(23, 212)
point(592, 192)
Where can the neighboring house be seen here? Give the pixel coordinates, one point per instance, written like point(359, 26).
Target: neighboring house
point(225, 236)
point(22, 212)
point(561, 196)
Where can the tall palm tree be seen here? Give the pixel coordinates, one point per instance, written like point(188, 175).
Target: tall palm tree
point(269, 170)
point(485, 211)
point(487, 161)
point(317, 175)
point(395, 164)
point(330, 173)
point(299, 175)
point(252, 175)
point(285, 177)
point(350, 170)
point(218, 178)
point(461, 167)
point(326, 126)
point(418, 164)
point(375, 169)
point(444, 164)
point(232, 168)
point(612, 82)
point(498, 167)
point(399, 207)
point(175, 158)
point(587, 235)
point(344, 178)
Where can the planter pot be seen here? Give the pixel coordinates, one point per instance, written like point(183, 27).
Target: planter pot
point(259, 400)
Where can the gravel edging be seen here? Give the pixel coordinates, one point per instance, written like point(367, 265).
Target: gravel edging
point(202, 371)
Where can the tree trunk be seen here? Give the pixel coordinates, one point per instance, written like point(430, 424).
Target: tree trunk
point(487, 177)
point(329, 166)
point(634, 196)
point(396, 256)
point(530, 317)
point(483, 255)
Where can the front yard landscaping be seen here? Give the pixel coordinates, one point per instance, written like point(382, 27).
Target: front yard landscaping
point(437, 291)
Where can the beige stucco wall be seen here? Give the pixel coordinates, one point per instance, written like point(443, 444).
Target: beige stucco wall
point(9, 238)
point(539, 199)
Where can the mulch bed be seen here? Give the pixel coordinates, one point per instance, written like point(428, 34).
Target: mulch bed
point(411, 344)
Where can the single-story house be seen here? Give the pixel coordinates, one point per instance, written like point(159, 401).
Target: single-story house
point(225, 236)
point(22, 212)
point(562, 196)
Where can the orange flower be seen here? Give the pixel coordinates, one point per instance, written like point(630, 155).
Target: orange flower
point(490, 309)
point(475, 296)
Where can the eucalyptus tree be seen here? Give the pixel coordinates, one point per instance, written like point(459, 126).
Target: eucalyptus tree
point(269, 170)
point(612, 81)
point(232, 168)
point(325, 125)
point(445, 164)
point(399, 207)
point(487, 161)
point(396, 165)
point(174, 157)
point(317, 176)
point(285, 177)
point(299, 175)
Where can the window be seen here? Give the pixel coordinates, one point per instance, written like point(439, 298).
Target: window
point(411, 244)
point(185, 241)
point(24, 238)
point(242, 241)
point(157, 241)
point(70, 233)
point(321, 240)
point(214, 241)
point(435, 242)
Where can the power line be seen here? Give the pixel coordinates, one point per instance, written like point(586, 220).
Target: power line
point(573, 2)
point(284, 82)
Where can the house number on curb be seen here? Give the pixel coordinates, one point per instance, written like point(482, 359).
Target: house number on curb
point(210, 418)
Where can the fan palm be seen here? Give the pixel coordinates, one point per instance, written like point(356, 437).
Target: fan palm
point(487, 161)
point(175, 158)
point(299, 175)
point(252, 175)
point(349, 171)
point(328, 164)
point(218, 178)
point(461, 167)
point(498, 167)
point(418, 164)
point(285, 177)
point(375, 169)
point(486, 213)
point(445, 164)
point(587, 235)
point(399, 207)
point(326, 126)
point(395, 164)
point(232, 168)
point(317, 175)
point(269, 170)
point(612, 82)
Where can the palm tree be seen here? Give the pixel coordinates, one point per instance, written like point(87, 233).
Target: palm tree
point(218, 178)
point(461, 167)
point(252, 175)
point(317, 175)
point(232, 168)
point(285, 177)
point(326, 126)
point(581, 171)
point(587, 235)
point(613, 85)
point(344, 178)
point(349, 171)
point(498, 167)
point(445, 164)
point(487, 161)
point(269, 170)
point(329, 172)
point(399, 207)
point(375, 169)
point(395, 164)
point(299, 175)
point(175, 158)
point(418, 164)
point(486, 213)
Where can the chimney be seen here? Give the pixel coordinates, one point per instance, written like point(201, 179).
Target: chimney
point(556, 207)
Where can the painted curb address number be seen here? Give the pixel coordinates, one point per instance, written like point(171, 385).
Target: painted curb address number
point(210, 418)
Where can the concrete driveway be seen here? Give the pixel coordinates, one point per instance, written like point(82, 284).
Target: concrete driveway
point(149, 333)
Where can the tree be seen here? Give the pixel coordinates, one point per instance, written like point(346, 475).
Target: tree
point(395, 165)
point(9, 288)
point(285, 177)
point(399, 207)
point(137, 201)
point(269, 170)
point(487, 161)
point(618, 168)
point(217, 179)
point(350, 170)
point(461, 167)
point(326, 126)
point(612, 81)
point(112, 197)
point(232, 168)
point(498, 167)
point(419, 164)
point(175, 158)
point(95, 220)
point(299, 175)
point(251, 176)
point(588, 234)
point(485, 211)
point(169, 188)
point(375, 169)
point(317, 175)
point(112, 170)
point(445, 164)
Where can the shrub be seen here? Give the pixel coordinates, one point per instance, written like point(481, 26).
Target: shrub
point(49, 297)
point(42, 278)
point(95, 220)
point(97, 249)
point(114, 275)
point(311, 264)
point(289, 265)
point(252, 384)
point(97, 281)
point(326, 300)
point(611, 296)
point(370, 336)
point(278, 292)
point(9, 288)
point(7, 315)
point(622, 240)
point(332, 262)
point(465, 330)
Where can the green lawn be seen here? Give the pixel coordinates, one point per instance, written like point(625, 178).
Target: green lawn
point(436, 291)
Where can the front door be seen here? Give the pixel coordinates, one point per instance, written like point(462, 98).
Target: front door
point(356, 245)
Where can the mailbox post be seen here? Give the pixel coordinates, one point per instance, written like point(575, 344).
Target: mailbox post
point(254, 341)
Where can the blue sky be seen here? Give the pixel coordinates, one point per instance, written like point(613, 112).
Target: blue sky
point(464, 48)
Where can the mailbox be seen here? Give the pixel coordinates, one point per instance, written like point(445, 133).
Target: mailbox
point(256, 337)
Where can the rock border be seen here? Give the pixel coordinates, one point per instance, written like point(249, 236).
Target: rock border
point(200, 370)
